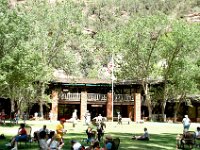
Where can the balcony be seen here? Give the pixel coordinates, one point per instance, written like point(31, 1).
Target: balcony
point(70, 96)
point(123, 97)
point(96, 97)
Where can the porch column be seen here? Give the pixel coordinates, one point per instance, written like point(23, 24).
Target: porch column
point(54, 109)
point(131, 112)
point(83, 104)
point(109, 110)
point(137, 107)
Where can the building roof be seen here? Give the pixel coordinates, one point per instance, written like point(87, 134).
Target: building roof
point(59, 76)
point(82, 81)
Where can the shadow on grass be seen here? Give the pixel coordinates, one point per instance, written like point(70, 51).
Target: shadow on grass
point(163, 141)
point(8, 124)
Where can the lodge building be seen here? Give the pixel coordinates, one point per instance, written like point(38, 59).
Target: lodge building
point(95, 95)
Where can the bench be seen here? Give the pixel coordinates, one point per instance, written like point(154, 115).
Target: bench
point(128, 120)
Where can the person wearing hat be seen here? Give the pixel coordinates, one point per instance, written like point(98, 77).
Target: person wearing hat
point(61, 131)
point(186, 123)
point(108, 142)
point(53, 141)
point(75, 145)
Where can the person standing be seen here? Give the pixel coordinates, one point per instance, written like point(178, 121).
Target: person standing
point(74, 117)
point(186, 123)
point(36, 115)
point(119, 118)
point(88, 118)
point(61, 131)
point(99, 119)
point(16, 117)
point(85, 116)
point(25, 116)
point(50, 115)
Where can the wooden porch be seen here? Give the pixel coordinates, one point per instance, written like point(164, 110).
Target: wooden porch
point(95, 97)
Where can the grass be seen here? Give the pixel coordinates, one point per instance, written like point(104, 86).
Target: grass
point(162, 135)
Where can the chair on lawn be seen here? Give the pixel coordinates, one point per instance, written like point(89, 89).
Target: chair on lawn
point(28, 139)
point(188, 138)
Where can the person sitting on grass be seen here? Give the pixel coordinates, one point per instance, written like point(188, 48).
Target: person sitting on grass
point(36, 133)
point(197, 133)
point(144, 137)
point(108, 143)
point(75, 145)
point(43, 141)
point(22, 135)
point(53, 142)
point(96, 145)
point(90, 134)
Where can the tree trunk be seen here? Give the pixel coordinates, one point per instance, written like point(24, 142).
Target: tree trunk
point(41, 100)
point(163, 110)
point(148, 99)
point(177, 109)
point(12, 105)
point(150, 112)
point(180, 100)
point(41, 109)
point(175, 116)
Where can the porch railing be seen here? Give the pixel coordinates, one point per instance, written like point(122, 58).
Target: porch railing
point(96, 97)
point(70, 96)
point(123, 97)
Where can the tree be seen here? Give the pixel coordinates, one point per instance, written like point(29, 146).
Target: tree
point(178, 48)
point(146, 42)
point(137, 43)
point(15, 74)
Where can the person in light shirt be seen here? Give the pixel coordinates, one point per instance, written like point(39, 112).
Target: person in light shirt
point(197, 133)
point(144, 137)
point(53, 142)
point(186, 123)
point(75, 145)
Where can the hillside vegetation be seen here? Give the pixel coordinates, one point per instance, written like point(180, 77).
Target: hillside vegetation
point(149, 39)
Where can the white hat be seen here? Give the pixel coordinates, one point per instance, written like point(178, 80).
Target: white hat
point(76, 146)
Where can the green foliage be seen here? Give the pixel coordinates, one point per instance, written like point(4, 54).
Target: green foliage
point(79, 37)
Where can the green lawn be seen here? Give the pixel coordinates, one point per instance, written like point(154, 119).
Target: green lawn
point(162, 135)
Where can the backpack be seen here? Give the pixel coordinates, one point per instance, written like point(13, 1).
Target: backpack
point(115, 144)
point(2, 136)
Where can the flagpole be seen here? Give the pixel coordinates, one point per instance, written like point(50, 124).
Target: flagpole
point(112, 78)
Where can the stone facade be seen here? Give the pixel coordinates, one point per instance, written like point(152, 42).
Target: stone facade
point(54, 109)
point(137, 108)
point(83, 104)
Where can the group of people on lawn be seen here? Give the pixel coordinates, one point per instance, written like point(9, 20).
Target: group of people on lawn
point(53, 140)
point(186, 126)
point(48, 140)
